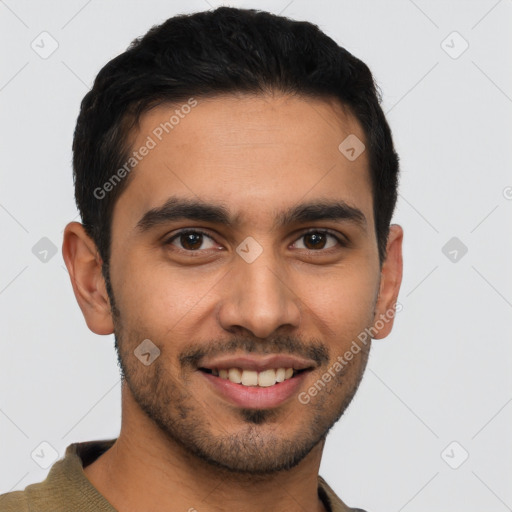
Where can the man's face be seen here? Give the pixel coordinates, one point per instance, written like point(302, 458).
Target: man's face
point(264, 284)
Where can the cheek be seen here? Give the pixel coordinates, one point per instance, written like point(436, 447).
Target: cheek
point(343, 301)
point(158, 297)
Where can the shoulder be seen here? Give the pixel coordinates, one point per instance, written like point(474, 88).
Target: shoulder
point(37, 497)
point(331, 500)
point(17, 501)
point(65, 488)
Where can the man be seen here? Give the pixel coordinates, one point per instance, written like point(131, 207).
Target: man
point(236, 179)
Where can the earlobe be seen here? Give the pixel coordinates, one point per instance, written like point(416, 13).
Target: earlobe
point(84, 266)
point(391, 279)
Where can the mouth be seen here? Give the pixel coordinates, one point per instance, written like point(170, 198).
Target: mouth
point(256, 383)
point(253, 378)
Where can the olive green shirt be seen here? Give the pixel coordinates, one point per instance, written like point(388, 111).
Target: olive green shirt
point(67, 489)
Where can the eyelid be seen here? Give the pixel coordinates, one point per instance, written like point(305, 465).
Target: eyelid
point(342, 240)
point(183, 231)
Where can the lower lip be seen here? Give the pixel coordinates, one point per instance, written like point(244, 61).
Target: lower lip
point(255, 397)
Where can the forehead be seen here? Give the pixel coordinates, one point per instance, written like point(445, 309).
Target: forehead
point(252, 153)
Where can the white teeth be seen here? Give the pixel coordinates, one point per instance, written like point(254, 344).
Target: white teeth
point(263, 379)
point(267, 378)
point(235, 375)
point(249, 378)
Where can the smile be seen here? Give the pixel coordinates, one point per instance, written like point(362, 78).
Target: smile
point(256, 390)
point(252, 378)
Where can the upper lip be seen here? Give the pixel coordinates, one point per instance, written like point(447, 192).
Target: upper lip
point(246, 362)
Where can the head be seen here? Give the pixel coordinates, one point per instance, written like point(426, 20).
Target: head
point(222, 216)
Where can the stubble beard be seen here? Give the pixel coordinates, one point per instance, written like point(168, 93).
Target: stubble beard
point(254, 449)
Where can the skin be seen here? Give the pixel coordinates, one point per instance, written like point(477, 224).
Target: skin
point(181, 445)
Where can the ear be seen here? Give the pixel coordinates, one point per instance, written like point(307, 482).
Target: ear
point(84, 266)
point(390, 281)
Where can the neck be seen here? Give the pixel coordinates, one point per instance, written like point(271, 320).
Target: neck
point(145, 470)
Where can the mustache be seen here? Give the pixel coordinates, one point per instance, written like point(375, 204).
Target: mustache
point(315, 350)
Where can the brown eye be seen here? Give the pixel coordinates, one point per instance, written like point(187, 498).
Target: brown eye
point(318, 240)
point(191, 240)
point(315, 240)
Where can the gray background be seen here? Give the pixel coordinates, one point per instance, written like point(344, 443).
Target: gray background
point(443, 375)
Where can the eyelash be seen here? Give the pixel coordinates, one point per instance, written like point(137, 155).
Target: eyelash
point(341, 242)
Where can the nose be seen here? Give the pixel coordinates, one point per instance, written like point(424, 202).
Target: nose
point(259, 298)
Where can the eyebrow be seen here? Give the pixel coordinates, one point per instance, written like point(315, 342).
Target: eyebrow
point(176, 208)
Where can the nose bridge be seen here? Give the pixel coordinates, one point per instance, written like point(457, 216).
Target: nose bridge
point(258, 297)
